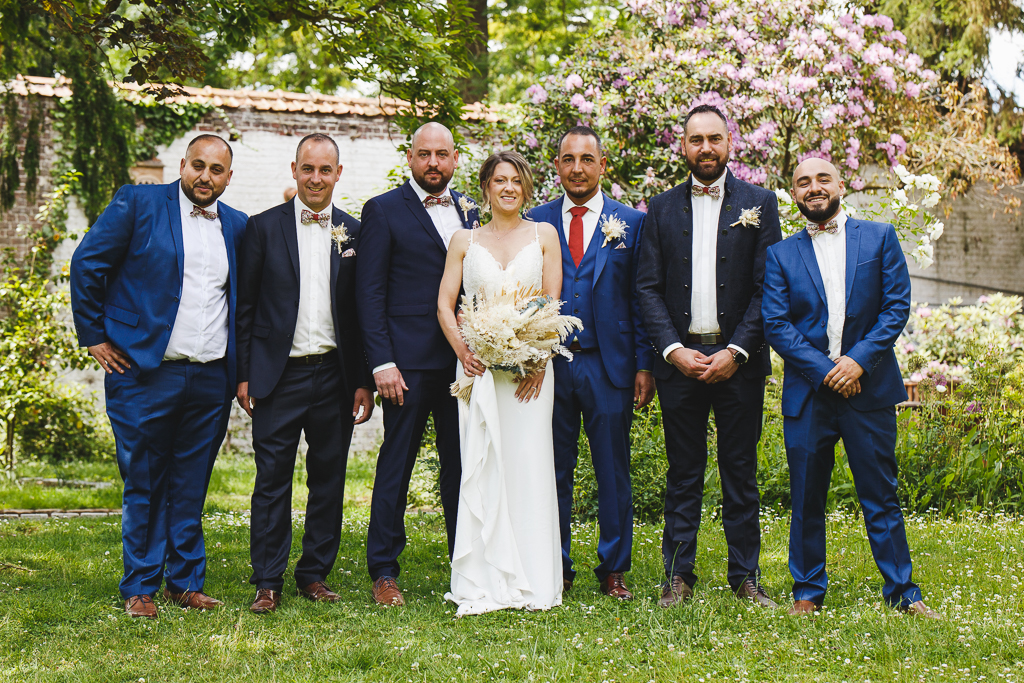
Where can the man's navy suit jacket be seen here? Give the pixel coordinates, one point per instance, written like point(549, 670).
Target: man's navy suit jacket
point(621, 337)
point(126, 275)
point(877, 309)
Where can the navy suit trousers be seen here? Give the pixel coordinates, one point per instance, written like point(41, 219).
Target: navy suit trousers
point(583, 389)
point(168, 427)
point(685, 405)
point(870, 441)
point(403, 433)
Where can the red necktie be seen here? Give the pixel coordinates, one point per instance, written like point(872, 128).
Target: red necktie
point(576, 234)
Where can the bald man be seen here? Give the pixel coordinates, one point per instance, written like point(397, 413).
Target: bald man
point(836, 297)
point(402, 250)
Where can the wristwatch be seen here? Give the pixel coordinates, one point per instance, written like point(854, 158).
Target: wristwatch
point(737, 357)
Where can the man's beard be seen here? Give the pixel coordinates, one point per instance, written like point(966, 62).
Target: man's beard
point(712, 175)
point(820, 215)
point(579, 194)
point(189, 191)
point(434, 187)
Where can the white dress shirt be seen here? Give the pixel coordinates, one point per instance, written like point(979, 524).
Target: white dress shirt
point(595, 205)
point(200, 331)
point(704, 297)
point(447, 221)
point(314, 327)
point(830, 252)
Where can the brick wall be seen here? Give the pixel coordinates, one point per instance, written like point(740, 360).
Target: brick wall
point(24, 211)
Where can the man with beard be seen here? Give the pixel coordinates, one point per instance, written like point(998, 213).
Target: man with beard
point(610, 373)
point(836, 297)
point(300, 358)
point(153, 297)
point(700, 277)
point(402, 250)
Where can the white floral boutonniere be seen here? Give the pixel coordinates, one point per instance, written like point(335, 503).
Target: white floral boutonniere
point(613, 228)
point(467, 205)
point(749, 218)
point(339, 235)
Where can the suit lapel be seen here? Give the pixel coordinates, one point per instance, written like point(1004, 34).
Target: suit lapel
point(552, 213)
point(174, 215)
point(336, 219)
point(852, 254)
point(803, 244)
point(291, 240)
point(416, 207)
point(602, 249)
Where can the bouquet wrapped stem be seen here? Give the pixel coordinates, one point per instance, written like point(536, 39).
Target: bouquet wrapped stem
point(516, 331)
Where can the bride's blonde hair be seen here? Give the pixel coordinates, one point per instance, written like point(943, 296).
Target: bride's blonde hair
point(521, 166)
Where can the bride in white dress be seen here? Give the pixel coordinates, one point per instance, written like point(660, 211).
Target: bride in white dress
point(507, 551)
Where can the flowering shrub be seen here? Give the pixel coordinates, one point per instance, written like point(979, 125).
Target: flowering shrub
point(938, 341)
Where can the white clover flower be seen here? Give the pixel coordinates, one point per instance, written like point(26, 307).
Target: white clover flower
point(937, 229)
point(931, 200)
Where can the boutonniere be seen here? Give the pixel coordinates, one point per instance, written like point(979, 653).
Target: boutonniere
point(613, 228)
point(339, 235)
point(467, 205)
point(749, 218)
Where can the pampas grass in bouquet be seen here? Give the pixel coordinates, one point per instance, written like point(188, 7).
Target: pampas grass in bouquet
point(515, 331)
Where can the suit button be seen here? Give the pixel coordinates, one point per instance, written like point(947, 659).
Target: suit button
point(725, 232)
point(575, 310)
point(296, 302)
point(686, 286)
point(723, 259)
point(686, 259)
point(686, 232)
point(721, 314)
point(823, 324)
point(175, 298)
point(576, 280)
point(728, 207)
point(721, 286)
point(576, 295)
point(289, 335)
point(168, 327)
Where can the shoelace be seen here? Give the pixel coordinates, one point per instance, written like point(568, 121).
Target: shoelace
point(144, 599)
point(387, 582)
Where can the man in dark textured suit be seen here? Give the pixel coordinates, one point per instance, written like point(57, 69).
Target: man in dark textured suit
point(836, 298)
point(300, 358)
point(402, 251)
point(700, 277)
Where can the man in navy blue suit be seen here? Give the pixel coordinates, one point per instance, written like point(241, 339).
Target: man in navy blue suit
point(700, 277)
point(300, 359)
point(610, 373)
point(153, 295)
point(836, 298)
point(402, 248)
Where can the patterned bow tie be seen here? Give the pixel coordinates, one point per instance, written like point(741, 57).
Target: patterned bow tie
point(200, 211)
point(431, 200)
point(713, 191)
point(832, 227)
point(324, 219)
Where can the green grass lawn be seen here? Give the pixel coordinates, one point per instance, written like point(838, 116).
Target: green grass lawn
point(61, 619)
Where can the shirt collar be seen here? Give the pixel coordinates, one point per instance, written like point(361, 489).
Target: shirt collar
point(423, 194)
point(595, 203)
point(300, 205)
point(186, 202)
point(719, 183)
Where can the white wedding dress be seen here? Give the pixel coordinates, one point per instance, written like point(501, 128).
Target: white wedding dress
point(507, 550)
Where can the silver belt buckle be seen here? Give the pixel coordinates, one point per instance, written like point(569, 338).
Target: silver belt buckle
point(709, 339)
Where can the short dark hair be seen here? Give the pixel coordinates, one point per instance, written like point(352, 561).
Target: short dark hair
point(522, 168)
point(581, 130)
point(705, 109)
point(210, 136)
point(318, 137)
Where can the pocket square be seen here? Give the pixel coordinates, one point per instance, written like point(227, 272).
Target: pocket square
point(622, 245)
point(348, 252)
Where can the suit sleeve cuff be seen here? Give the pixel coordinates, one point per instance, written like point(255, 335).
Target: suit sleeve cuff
point(740, 350)
point(669, 349)
point(386, 366)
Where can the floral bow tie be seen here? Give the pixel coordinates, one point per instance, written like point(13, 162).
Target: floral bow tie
point(307, 217)
point(832, 227)
point(431, 200)
point(714, 191)
point(200, 211)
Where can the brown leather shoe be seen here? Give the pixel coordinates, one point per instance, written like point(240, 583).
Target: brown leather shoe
point(614, 585)
point(674, 592)
point(566, 585)
point(919, 609)
point(386, 592)
point(267, 600)
point(192, 600)
point(801, 607)
point(140, 606)
point(751, 590)
point(318, 591)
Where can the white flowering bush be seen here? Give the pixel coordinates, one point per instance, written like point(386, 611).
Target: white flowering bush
point(943, 337)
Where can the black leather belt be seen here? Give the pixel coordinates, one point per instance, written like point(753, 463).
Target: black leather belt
point(318, 359)
point(713, 339)
point(576, 348)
